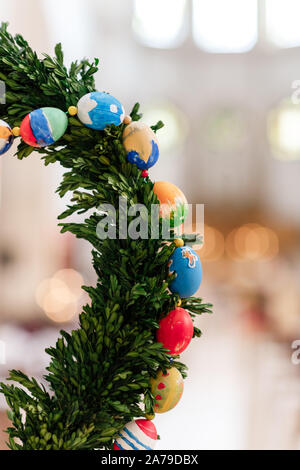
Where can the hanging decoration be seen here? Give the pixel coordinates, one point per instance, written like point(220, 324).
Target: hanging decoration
point(98, 110)
point(167, 389)
point(173, 203)
point(188, 268)
point(43, 127)
point(140, 434)
point(141, 145)
point(176, 331)
point(6, 137)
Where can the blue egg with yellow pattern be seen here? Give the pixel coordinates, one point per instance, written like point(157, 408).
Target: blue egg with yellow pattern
point(6, 137)
point(187, 265)
point(141, 145)
point(99, 109)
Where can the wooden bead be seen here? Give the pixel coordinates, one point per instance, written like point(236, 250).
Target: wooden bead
point(179, 242)
point(179, 303)
point(16, 131)
point(72, 110)
point(127, 119)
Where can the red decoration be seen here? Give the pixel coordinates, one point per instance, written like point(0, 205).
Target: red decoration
point(26, 132)
point(176, 331)
point(144, 173)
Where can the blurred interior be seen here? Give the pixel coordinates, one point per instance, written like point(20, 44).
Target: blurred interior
point(223, 77)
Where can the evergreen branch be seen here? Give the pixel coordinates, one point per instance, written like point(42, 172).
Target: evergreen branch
point(99, 372)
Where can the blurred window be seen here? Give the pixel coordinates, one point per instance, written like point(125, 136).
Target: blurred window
point(282, 22)
point(160, 23)
point(221, 26)
point(223, 130)
point(175, 129)
point(283, 131)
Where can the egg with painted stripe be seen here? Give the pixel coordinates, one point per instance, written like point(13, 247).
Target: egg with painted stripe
point(188, 271)
point(6, 137)
point(141, 145)
point(172, 202)
point(167, 389)
point(139, 434)
point(99, 109)
point(43, 126)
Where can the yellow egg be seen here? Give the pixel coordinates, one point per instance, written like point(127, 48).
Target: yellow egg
point(167, 389)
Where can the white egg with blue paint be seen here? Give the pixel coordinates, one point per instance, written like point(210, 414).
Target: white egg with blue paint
point(140, 434)
point(6, 137)
point(99, 109)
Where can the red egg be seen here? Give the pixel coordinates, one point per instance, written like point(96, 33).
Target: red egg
point(176, 331)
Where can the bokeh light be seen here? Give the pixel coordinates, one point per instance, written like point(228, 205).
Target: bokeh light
point(252, 242)
point(282, 22)
point(175, 129)
point(58, 296)
point(283, 131)
point(223, 130)
point(213, 246)
point(225, 27)
point(160, 24)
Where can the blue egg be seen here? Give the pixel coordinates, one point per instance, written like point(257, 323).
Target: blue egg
point(187, 265)
point(98, 110)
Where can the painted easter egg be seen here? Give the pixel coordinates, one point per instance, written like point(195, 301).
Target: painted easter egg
point(6, 137)
point(141, 145)
point(172, 202)
point(140, 434)
point(175, 331)
point(98, 110)
point(187, 265)
point(167, 389)
point(43, 126)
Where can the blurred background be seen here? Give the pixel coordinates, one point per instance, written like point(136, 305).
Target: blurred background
point(224, 76)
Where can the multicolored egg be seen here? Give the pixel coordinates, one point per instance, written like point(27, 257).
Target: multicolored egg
point(43, 126)
point(187, 265)
point(141, 145)
point(140, 434)
point(6, 137)
point(167, 389)
point(172, 201)
point(175, 331)
point(98, 110)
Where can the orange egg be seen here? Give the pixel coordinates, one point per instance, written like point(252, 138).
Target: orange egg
point(173, 203)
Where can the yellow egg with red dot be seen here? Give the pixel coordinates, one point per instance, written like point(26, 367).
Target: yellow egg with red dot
point(167, 389)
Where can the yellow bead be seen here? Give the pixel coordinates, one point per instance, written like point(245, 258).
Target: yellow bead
point(127, 119)
point(179, 242)
point(72, 110)
point(150, 416)
point(179, 303)
point(16, 131)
